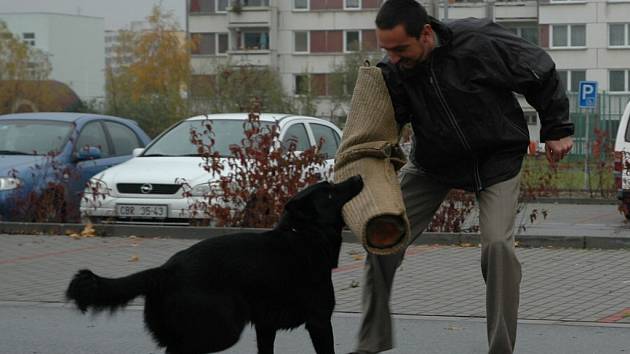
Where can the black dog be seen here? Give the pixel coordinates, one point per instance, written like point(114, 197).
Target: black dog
point(200, 300)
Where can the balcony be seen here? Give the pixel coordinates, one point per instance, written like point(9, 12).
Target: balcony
point(515, 10)
point(250, 13)
point(251, 57)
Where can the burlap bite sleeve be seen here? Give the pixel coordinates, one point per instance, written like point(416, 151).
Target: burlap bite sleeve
point(369, 147)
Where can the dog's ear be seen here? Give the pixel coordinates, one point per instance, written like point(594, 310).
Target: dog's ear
point(301, 207)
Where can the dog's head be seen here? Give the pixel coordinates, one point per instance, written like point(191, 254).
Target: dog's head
point(321, 203)
point(316, 210)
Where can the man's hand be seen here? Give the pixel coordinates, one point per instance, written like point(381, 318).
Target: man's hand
point(556, 149)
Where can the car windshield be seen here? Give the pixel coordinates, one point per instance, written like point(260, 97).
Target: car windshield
point(33, 137)
point(177, 141)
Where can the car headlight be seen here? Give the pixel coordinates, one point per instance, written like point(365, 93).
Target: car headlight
point(97, 187)
point(203, 190)
point(9, 183)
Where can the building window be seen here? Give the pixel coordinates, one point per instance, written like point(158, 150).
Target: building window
point(619, 35)
point(568, 36)
point(29, 38)
point(223, 43)
point(352, 41)
point(254, 40)
point(209, 43)
point(300, 4)
point(571, 79)
point(326, 41)
point(528, 33)
point(222, 5)
point(254, 3)
point(368, 41)
point(300, 42)
point(302, 84)
point(201, 6)
point(619, 80)
point(352, 4)
point(326, 4)
point(531, 117)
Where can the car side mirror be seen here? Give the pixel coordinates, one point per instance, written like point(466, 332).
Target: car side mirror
point(89, 153)
point(137, 151)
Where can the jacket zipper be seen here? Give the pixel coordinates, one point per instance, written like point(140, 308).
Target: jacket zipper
point(458, 130)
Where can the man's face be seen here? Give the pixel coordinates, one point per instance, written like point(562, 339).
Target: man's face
point(405, 50)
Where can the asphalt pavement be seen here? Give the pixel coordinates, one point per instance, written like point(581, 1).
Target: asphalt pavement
point(575, 296)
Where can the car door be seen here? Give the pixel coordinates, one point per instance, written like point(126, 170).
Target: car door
point(91, 135)
point(330, 140)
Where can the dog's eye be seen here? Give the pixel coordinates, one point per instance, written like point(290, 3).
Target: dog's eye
point(330, 196)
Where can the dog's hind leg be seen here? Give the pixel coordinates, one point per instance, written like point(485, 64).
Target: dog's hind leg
point(196, 322)
point(321, 334)
point(265, 337)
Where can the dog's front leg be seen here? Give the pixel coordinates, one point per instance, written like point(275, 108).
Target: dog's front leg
point(322, 336)
point(265, 337)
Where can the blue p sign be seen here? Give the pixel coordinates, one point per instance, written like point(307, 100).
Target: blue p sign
point(587, 95)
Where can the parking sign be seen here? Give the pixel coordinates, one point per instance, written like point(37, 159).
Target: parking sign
point(587, 95)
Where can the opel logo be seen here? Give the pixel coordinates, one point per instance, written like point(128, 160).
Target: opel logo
point(146, 188)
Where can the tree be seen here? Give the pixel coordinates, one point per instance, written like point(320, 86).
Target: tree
point(232, 88)
point(149, 79)
point(344, 76)
point(20, 65)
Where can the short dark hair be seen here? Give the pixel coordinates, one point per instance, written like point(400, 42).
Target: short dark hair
point(410, 13)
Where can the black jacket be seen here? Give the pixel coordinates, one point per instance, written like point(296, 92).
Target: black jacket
point(470, 131)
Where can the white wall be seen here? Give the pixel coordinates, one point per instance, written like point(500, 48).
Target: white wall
point(75, 44)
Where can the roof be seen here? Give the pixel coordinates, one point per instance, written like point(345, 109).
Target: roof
point(57, 116)
point(271, 117)
point(266, 117)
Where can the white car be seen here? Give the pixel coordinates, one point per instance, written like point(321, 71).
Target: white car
point(148, 187)
point(622, 162)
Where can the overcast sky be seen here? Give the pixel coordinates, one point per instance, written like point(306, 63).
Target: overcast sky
point(117, 13)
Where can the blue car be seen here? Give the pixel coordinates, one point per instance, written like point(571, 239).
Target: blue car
point(47, 158)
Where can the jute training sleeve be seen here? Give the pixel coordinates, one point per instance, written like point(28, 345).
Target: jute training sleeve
point(369, 147)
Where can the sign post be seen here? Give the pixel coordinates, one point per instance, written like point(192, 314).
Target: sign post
point(587, 99)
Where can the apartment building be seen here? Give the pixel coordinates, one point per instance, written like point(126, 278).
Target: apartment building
point(589, 40)
point(74, 44)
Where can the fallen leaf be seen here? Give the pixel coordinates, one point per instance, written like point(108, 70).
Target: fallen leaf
point(358, 257)
point(134, 259)
point(88, 231)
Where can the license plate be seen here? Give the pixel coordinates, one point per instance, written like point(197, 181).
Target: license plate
point(142, 210)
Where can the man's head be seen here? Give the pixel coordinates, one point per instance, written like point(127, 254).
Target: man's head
point(403, 30)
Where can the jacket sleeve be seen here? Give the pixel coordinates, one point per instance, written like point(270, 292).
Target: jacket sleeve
point(400, 101)
point(530, 71)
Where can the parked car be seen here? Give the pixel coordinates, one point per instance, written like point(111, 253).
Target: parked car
point(146, 188)
point(622, 161)
point(46, 159)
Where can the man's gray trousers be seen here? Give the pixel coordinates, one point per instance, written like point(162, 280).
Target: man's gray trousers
point(500, 267)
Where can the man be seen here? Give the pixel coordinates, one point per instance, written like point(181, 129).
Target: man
point(455, 84)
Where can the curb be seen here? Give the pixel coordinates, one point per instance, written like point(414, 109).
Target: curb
point(199, 233)
point(588, 201)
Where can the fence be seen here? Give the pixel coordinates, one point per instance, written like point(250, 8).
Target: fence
point(605, 117)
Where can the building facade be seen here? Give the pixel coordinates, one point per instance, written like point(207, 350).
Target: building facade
point(589, 40)
point(74, 44)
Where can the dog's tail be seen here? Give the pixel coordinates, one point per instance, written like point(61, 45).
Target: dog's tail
point(89, 291)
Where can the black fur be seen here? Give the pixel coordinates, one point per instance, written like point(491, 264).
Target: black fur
point(200, 300)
